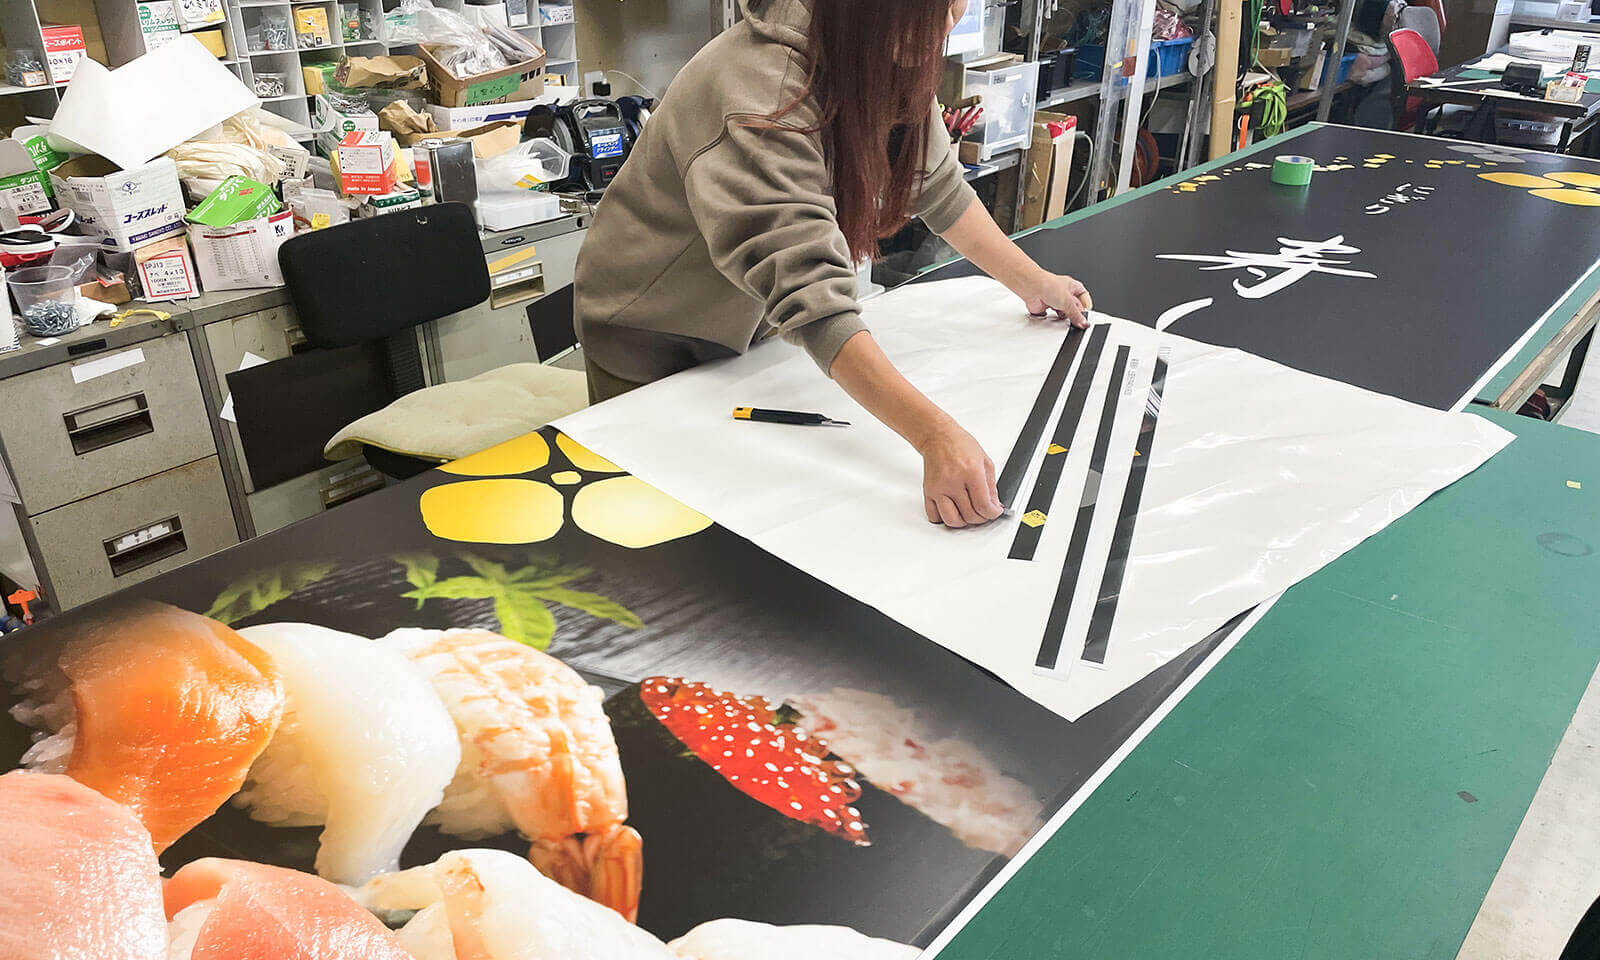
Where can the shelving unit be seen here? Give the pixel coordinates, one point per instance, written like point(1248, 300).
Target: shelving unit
point(116, 21)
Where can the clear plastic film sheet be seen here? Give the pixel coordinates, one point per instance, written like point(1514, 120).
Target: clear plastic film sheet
point(1174, 485)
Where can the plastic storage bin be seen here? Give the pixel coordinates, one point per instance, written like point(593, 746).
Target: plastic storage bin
point(1167, 57)
point(1009, 94)
point(1344, 67)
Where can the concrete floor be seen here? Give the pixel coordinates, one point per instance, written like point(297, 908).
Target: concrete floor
point(1551, 874)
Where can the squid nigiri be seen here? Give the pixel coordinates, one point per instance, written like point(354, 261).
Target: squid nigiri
point(498, 906)
point(744, 939)
point(160, 709)
point(537, 755)
point(365, 748)
point(78, 876)
point(233, 910)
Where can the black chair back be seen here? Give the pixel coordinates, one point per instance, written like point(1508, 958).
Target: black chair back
point(370, 279)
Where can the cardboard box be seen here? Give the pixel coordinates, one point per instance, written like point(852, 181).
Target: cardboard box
point(336, 125)
point(243, 255)
point(461, 118)
point(403, 198)
point(1048, 167)
point(126, 209)
point(520, 81)
point(213, 41)
point(158, 23)
point(237, 199)
point(25, 164)
point(366, 163)
point(63, 48)
point(554, 14)
point(1274, 56)
point(311, 29)
point(199, 14)
point(316, 76)
point(166, 271)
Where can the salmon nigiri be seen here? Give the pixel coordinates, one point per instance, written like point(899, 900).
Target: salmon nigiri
point(77, 875)
point(233, 910)
point(159, 709)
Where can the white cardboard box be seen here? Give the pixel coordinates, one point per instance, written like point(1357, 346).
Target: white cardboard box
point(242, 255)
point(169, 274)
point(124, 208)
point(199, 14)
point(333, 125)
point(366, 163)
point(465, 118)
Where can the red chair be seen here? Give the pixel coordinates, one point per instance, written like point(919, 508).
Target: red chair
point(1410, 57)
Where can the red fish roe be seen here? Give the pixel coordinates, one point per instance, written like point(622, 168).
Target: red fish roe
point(768, 758)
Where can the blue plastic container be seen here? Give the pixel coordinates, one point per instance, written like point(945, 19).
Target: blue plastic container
point(1167, 57)
point(1344, 67)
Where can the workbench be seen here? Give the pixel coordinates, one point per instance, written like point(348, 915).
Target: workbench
point(1341, 781)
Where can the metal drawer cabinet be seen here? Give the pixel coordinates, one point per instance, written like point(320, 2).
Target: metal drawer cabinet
point(105, 542)
point(76, 429)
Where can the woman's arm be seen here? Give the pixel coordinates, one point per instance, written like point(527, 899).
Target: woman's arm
point(958, 486)
point(977, 237)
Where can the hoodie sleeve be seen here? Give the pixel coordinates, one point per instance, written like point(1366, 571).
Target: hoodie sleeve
point(762, 200)
point(944, 194)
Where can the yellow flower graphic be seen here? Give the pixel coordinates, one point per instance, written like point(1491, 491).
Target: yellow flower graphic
point(513, 509)
point(1574, 187)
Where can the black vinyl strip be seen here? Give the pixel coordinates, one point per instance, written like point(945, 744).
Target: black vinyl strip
point(1105, 606)
point(1033, 428)
point(1056, 625)
point(1044, 488)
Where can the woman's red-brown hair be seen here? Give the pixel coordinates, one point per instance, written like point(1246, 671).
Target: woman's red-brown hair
point(875, 67)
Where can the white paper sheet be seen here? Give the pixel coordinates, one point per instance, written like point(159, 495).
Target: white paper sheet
point(110, 363)
point(142, 109)
point(250, 360)
point(1260, 475)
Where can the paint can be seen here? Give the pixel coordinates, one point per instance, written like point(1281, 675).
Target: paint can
point(1292, 171)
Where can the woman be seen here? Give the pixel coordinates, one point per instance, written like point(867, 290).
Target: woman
point(782, 153)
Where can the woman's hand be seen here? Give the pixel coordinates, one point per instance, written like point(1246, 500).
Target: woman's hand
point(1058, 292)
point(957, 479)
point(976, 237)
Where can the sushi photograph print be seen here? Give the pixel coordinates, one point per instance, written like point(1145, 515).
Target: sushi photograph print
point(564, 711)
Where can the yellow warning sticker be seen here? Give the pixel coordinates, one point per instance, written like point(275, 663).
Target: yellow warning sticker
point(1574, 484)
point(1034, 518)
point(1056, 448)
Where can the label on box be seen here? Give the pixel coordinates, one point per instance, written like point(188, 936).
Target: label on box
point(26, 193)
point(243, 255)
point(63, 48)
point(195, 14)
point(554, 14)
point(606, 145)
point(491, 90)
point(169, 276)
point(295, 160)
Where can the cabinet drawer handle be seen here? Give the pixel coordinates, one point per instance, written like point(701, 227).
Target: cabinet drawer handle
point(127, 552)
point(112, 421)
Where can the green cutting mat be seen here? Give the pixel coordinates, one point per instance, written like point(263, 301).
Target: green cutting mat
point(1346, 782)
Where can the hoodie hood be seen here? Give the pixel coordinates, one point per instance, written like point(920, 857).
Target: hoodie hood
point(781, 21)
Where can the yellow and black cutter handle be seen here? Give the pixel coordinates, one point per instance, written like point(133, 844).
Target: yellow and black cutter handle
point(759, 415)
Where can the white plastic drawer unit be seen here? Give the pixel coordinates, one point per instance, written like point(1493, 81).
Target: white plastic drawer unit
point(79, 428)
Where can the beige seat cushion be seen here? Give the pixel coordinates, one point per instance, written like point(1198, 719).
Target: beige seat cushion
point(451, 420)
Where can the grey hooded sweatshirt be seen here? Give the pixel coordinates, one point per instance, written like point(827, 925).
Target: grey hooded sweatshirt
point(717, 235)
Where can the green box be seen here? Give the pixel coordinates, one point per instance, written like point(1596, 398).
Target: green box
point(238, 199)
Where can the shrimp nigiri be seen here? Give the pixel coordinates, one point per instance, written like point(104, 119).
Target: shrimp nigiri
point(366, 748)
point(537, 755)
point(160, 709)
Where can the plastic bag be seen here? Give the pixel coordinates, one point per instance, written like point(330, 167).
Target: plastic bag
point(403, 23)
point(243, 145)
point(530, 165)
point(468, 49)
